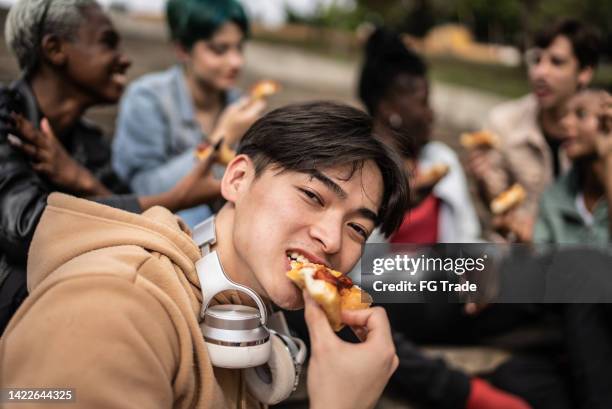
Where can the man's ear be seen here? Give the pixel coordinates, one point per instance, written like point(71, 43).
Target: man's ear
point(54, 50)
point(239, 175)
point(585, 76)
point(181, 52)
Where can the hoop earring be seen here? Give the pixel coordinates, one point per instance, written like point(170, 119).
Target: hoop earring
point(395, 121)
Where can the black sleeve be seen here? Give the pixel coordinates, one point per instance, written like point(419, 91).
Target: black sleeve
point(23, 193)
point(419, 379)
point(128, 203)
point(427, 381)
point(23, 196)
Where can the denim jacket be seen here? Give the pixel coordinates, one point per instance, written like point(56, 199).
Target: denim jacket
point(156, 134)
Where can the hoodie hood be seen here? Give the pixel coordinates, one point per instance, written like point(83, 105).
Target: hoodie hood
point(70, 227)
point(114, 299)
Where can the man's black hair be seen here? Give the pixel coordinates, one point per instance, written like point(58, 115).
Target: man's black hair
point(314, 136)
point(386, 57)
point(584, 39)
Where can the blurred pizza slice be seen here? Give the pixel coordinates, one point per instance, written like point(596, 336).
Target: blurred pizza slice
point(479, 139)
point(264, 89)
point(508, 199)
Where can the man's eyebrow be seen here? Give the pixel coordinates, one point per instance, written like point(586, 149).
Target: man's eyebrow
point(333, 186)
point(368, 214)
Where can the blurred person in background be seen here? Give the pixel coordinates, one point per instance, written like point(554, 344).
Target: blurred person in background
point(576, 209)
point(70, 58)
point(165, 116)
point(561, 62)
point(395, 90)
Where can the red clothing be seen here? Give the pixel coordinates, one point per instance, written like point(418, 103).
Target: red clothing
point(420, 225)
point(485, 396)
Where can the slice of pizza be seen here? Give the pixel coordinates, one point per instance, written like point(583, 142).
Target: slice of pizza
point(432, 175)
point(479, 139)
point(264, 89)
point(508, 199)
point(332, 290)
point(225, 154)
point(203, 150)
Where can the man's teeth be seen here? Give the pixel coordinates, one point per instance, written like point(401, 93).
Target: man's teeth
point(120, 78)
point(295, 256)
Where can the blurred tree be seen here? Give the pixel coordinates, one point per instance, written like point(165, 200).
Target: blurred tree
point(499, 21)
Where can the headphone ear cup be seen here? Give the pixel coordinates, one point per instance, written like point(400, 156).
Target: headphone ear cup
point(272, 382)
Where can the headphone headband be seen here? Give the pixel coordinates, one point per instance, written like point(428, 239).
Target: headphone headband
point(213, 279)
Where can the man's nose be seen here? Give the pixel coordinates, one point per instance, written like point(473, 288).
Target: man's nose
point(541, 69)
point(124, 62)
point(236, 59)
point(328, 234)
point(568, 124)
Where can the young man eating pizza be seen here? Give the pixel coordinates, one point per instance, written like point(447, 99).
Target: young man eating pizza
point(114, 297)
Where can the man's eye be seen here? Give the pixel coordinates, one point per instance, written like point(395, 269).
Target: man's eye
point(360, 230)
point(580, 113)
point(312, 196)
point(219, 49)
point(557, 62)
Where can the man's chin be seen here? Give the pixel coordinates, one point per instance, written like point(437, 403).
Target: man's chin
point(290, 298)
point(548, 102)
point(109, 98)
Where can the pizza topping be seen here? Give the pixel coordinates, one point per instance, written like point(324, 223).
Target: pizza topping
point(341, 282)
point(319, 271)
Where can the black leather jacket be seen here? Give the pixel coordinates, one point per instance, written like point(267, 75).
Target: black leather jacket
point(23, 192)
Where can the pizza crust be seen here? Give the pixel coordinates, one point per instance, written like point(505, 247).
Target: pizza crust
point(508, 199)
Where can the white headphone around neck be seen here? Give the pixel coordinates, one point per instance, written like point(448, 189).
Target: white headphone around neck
point(238, 337)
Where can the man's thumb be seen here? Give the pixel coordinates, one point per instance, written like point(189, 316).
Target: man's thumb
point(318, 326)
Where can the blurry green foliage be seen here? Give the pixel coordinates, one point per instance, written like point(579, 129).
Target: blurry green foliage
point(499, 21)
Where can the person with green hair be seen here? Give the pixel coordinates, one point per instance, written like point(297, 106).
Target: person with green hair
point(165, 116)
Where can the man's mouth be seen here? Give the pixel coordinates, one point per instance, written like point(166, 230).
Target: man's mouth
point(119, 78)
point(542, 90)
point(568, 143)
point(295, 256)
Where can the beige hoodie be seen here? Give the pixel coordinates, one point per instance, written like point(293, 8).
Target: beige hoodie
point(112, 314)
